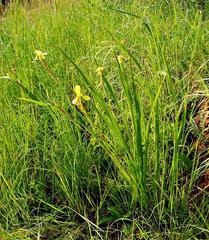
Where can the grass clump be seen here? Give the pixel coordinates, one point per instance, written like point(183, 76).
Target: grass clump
point(102, 134)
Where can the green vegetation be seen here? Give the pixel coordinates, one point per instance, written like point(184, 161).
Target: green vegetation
point(130, 162)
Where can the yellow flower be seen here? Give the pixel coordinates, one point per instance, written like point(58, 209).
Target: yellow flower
point(40, 55)
point(100, 71)
point(121, 59)
point(78, 99)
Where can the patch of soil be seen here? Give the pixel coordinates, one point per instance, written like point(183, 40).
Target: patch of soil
point(199, 138)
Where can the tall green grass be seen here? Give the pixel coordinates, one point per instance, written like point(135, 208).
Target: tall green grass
point(126, 169)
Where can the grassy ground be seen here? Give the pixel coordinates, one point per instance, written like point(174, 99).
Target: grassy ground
point(131, 162)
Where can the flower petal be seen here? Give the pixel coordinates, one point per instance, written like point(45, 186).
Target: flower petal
point(75, 100)
point(77, 90)
point(40, 55)
point(121, 59)
point(85, 97)
point(100, 70)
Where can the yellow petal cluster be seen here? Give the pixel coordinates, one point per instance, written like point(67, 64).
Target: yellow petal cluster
point(40, 55)
point(79, 97)
point(121, 59)
point(100, 71)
